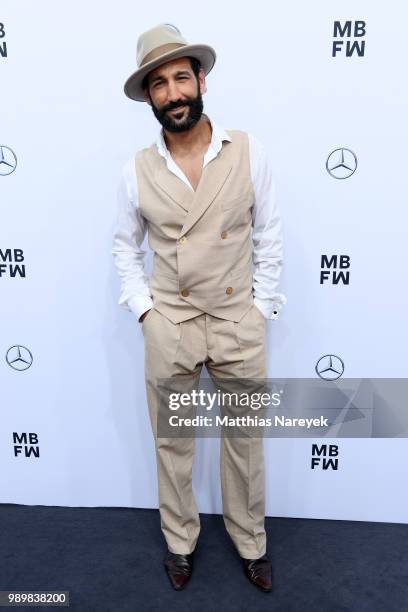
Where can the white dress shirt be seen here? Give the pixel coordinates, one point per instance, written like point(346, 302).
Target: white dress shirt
point(266, 229)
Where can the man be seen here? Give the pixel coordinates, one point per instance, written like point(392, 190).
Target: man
point(206, 197)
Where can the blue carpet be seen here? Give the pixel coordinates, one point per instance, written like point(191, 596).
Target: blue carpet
point(111, 560)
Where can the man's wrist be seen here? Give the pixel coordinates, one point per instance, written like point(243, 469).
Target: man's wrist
point(140, 305)
point(143, 316)
point(270, 308)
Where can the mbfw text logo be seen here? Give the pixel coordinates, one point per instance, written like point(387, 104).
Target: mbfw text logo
point(336, 270)
point(26, 445)
point(325, 456)
point(11, 263)
point(349, 29)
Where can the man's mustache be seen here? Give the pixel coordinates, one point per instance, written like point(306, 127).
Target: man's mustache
point(176, 105)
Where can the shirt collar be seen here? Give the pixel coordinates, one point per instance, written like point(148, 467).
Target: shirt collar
point(218, 136)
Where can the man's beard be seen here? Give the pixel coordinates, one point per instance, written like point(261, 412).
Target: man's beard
point(192, 113)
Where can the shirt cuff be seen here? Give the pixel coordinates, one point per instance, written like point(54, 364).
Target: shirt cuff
point(139, 305)
point(270, 308)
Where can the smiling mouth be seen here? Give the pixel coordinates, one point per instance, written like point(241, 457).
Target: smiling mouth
point(177, 110)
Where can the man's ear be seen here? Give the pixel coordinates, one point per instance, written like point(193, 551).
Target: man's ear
point(201, 80)
point(146, 96)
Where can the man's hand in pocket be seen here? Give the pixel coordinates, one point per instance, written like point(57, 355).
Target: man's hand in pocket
point(144, 315)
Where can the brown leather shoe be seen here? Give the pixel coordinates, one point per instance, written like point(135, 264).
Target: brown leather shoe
point(259, 572)
point(178, 568)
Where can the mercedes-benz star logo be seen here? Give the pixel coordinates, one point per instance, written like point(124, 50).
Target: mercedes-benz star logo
point(341, 163)
point(8, 160)
point(329, 367)
point(19, 357)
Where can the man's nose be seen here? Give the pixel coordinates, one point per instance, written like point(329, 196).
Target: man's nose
point(173, 94)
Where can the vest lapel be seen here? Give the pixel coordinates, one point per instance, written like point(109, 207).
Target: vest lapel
point(172, 185)
point(212, 179)
point(195, 203)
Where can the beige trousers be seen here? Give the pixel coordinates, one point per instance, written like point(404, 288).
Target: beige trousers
point(229, 350)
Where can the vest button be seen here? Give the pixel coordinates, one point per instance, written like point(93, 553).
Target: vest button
point(224, 234)
point(229, 290)
point(185, 292)
point(182, 240)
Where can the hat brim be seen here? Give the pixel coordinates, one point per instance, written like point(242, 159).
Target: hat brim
point(206, 54)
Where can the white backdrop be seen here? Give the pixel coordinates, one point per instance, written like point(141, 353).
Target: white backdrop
point(66, 118)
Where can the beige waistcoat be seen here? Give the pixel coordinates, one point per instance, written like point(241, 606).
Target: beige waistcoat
point(202, 240)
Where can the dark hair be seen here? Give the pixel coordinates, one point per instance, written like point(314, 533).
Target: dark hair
point(195, 66)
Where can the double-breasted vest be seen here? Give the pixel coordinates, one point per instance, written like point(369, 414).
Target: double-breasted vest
point(201, 240)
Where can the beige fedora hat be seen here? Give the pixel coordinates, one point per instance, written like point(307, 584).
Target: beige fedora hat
point(161, 44)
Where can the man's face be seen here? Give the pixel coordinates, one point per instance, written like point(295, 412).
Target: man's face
point(173, 85)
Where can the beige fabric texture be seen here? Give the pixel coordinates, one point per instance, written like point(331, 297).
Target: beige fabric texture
point(204, 312)
point(201, 239)
point(229, 349)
